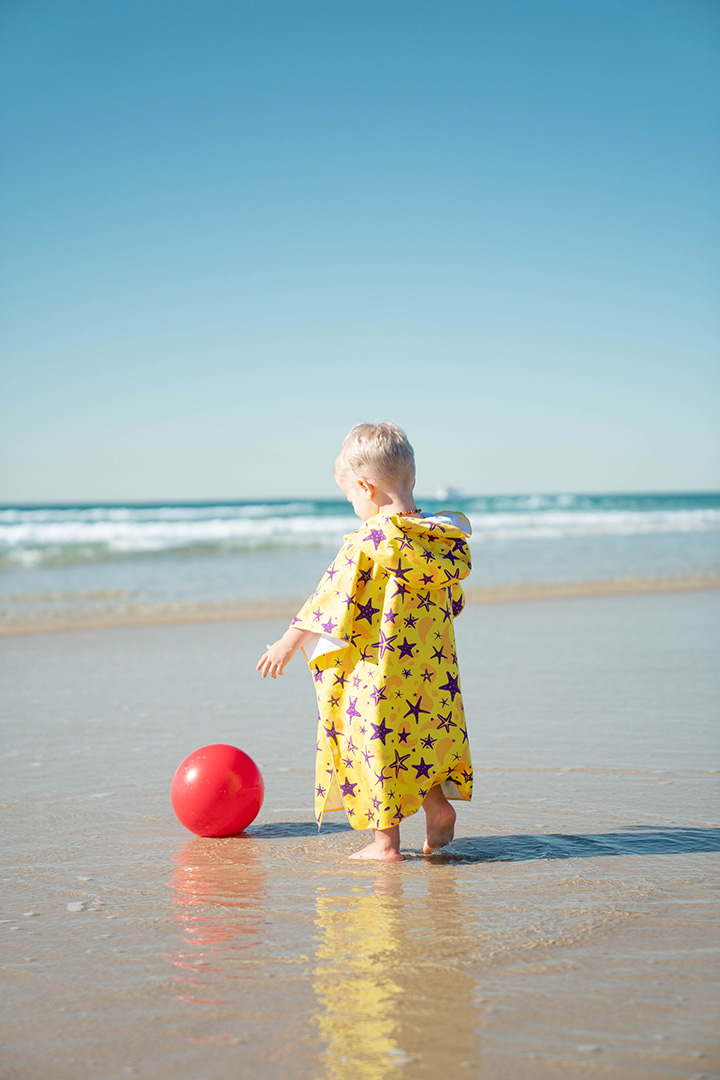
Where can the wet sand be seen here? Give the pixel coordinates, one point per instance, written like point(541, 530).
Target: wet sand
point(571, 932)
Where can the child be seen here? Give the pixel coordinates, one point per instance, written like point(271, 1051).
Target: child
point(378, 636)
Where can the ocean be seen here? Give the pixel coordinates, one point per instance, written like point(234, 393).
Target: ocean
point(109, 558)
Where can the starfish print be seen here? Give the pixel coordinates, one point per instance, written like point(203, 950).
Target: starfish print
point(356, 681)
point(376, 802)
point(328, 626)
point(390, 616)
point(366, 653)
point(331, 572)
point(425, 601)
point(364, 576)
point(403, 735)
point(380, 731)
point(400, 571)
point(351, 711)
point(367, 757)
point(385, 644)
point(349, 600)
point(378, 694)
point(446, 722)
point(349, 763)
point(399, 764)
point(427, 579)
point(411, 621)
point(423, 769)
point(446, 613)
point(438, 654)
point(400, 589)
point(427, 555)
point(458, 605)
point(405, 542)
point(455, 576)
point(377, 536)
point(334, 700)
point(459, 544)
point(406, 673)
point(428, 742)
point(451, 685)
point(318, 674)
point(350, 744)
point(379, 778)
point(320, 790)
point(415, 709)
point(340, 678)
point(349, 789)
point(406, 648)
point(427, 674)
point(332, 732)
point(317, 614)
point(349, 560)
point(366, 611)
point(451, 556)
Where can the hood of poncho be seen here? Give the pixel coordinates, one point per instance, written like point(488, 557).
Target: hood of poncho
point(424, 553)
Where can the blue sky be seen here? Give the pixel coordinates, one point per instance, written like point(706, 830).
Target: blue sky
point(234, 228)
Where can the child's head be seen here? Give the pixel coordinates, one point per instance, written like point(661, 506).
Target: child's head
point(380, 453)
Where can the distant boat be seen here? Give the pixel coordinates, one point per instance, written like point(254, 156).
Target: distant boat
point(443, 494)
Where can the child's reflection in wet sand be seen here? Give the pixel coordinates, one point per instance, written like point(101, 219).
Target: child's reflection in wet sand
point(389, 978)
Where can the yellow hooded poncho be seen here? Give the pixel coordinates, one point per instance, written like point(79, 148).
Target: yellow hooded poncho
point(391, 721)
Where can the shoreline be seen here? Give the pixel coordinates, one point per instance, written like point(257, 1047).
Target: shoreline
point(191, 613)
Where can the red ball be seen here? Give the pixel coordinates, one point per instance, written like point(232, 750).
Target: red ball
point(217, 791)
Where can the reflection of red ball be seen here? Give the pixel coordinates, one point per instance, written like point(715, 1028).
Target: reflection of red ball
point(217, 791)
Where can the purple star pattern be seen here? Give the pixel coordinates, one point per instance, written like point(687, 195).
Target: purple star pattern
point(331, 572)
point(427, 579)
point(438, 654)
point(400, 571)
point(457, 606)
point(332, 732)
point(411, 621)
point(340, 678)
point(377, 536)
point(427, 555)
point(406, 672)
point(334, 700)
point(380, 731)
point(364, 576)
point(350, 744)
point(399, 764)
point(446, 722)
point(406, 648)
point(428, 742)
point(415, 709)
point(425, 601)
point(400, 589)
point(403, 735)
point(366, 611)
point(351, 711)
point(317, 614)
point(349, 789)
point(451, 685)
point(390, 616)
point(320, 790)
point(348, 601)
point(385, 644)
point(426, 675)
point(328, 626)
point(318, 674)
point(423, 769)
point(378, 694)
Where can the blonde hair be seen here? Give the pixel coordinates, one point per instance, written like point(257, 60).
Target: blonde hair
point(378, 451)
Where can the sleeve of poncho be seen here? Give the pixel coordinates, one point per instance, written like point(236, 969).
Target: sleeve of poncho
point(329, 611)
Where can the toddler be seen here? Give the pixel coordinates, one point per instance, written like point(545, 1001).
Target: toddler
point(378, 637)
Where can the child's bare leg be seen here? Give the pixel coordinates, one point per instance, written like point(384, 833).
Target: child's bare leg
point(440, 820)
point(385, 846)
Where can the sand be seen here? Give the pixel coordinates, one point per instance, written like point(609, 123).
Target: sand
point(571, 932)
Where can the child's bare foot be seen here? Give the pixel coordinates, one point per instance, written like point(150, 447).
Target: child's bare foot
point(440, 821)
point(385, 846)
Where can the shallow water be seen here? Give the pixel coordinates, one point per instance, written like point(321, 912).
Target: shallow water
point(568, 930)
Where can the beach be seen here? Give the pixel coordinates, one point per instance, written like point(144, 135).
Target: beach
point(570, 931)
